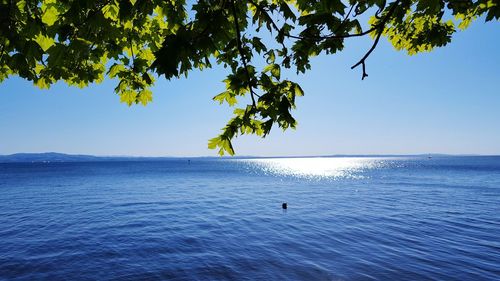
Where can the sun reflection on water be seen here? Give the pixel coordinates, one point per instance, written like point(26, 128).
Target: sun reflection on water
point(317, 167)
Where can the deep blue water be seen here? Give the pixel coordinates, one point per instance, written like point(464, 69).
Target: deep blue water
point(217, 219)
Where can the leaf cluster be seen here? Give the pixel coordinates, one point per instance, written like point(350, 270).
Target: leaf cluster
point(137, 41)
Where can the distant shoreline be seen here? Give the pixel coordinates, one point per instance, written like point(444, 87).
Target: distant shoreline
point(62, 157)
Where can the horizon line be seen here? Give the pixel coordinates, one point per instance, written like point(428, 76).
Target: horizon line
point(252, 156)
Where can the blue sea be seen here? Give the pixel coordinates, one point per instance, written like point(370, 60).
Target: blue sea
point(348, 218)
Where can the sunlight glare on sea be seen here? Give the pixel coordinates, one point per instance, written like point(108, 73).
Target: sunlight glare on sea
point(318, 167)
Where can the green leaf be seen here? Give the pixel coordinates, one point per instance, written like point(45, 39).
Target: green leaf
point(50, 16)
point(115, 70)
point(276, 71)
point(145, 96)
point(128, 97)
point(212, 143)
point(298, 90)
point(21, 5)
point(226, 96)
point(44, 42)
point(42, 83)
point(111, 11)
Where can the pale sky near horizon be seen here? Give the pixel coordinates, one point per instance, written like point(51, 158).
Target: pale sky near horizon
point(447, 101)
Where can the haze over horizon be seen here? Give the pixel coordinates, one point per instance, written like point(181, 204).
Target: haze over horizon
point(445, 101)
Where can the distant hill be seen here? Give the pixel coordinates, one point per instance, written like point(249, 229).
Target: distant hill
point(48, 157)
point(62, 157)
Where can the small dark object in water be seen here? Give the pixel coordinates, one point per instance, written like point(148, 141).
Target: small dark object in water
point(284, 206)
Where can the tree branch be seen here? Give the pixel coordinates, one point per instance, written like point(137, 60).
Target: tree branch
point(315, 38)
point(380, 28)
point(242, 53)
point(2, 52)
point(345, 18)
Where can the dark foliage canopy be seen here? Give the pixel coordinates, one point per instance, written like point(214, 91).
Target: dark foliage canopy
point(137, 41)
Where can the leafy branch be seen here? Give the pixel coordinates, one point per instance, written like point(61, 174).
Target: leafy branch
point(379, 28)
point(313, 38)
point(242, 53)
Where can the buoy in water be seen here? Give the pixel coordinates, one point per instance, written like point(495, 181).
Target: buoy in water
point(284, 206)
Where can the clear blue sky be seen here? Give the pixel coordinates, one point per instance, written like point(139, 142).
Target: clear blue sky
point(447, 101)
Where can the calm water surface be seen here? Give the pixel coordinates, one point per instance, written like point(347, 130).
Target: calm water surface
point(219, 219)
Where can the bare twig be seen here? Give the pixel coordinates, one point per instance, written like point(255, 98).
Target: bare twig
point(380, 30)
